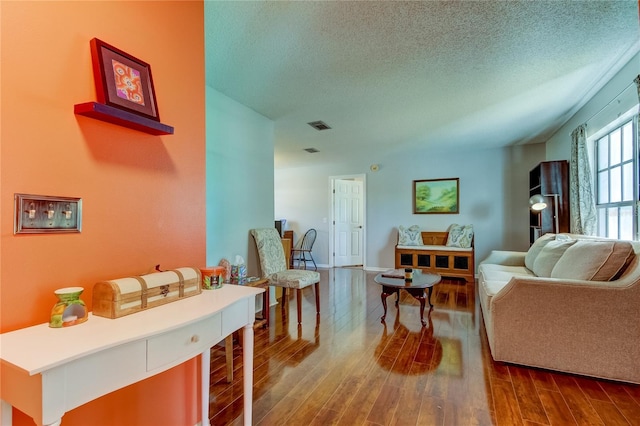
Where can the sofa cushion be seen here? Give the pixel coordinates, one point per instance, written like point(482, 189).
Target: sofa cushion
point(594, 260)
point(492, 278)
point(410, 236)
point(460, 236)
point(549, 256)
point(536, 248)
point(502, 273)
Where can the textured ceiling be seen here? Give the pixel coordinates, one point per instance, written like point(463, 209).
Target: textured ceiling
point(388, 75)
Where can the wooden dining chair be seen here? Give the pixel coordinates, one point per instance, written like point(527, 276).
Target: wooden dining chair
point(302, 253)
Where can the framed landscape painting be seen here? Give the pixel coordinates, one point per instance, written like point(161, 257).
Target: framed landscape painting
point(436, 196)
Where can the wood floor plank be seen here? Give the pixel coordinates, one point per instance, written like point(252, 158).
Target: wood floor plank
point(280, 412)
point(438, 385)
point(577, 401)
point(357, 377)
point(506, 403)
point(361, 404)
point(325, 417)
point(417, 377)
point(543, 379)
point(623, 400)
point(591, 388)
point(351, 369)
point(480, 417)
point(408, 408)
point(499, 370)
point(384, 407)
point(609, 413)
point(431, 411)
point(634, 391)
point(528, 399)
point(404, 360)
point(556, 408)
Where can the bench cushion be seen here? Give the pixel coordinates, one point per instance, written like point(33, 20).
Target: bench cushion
point(434, 248)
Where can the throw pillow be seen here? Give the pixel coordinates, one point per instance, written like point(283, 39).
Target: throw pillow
point(549, 256)
point(536, 248)
point(594, 260)
point(460, 236)
point(410, 236)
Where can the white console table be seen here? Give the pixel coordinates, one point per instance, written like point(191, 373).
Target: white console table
point(49, 371)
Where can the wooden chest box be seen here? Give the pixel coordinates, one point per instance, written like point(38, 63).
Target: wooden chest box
point(124, 296)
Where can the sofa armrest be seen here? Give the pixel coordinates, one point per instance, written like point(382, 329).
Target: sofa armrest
point(506, 258)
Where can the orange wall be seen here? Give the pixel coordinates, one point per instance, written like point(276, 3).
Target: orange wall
point(143, 195)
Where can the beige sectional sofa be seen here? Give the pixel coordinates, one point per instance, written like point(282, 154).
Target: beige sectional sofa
point(571, 303)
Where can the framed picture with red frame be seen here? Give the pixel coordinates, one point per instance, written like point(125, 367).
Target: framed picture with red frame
point(123, 81)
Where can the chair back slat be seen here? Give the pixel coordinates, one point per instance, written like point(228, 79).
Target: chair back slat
point(308, 240)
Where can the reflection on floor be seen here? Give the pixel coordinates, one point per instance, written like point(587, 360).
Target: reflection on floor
point(348, 368)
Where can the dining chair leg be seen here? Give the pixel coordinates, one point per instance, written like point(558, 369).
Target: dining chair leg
point(299, 304)
point(317, 290)
point(285, 302)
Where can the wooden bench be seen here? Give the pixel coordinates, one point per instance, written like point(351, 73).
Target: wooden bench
point(436, 257)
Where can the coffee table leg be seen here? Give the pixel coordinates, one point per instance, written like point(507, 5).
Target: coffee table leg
point(384, 296)
point(386, 292)
point(421, 300)
point(418, 294)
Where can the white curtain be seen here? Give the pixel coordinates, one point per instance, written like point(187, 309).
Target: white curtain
point(582, 204)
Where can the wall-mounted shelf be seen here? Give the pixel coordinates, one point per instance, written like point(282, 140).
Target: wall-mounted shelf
point(122, 118)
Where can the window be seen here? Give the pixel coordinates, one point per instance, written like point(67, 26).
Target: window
point(617, 181)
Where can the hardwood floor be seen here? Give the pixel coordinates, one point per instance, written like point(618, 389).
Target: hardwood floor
point(350, 369)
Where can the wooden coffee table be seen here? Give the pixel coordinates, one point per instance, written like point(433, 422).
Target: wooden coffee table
point(392, 283)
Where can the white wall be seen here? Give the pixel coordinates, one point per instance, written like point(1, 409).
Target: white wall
point(493, 197)
point(615, 98)
point(239, 174)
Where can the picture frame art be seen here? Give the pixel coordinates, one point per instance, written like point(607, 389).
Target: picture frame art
point(436, 196)
point(123, 81)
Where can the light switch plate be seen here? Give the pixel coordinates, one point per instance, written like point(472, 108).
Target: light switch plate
point(40, 214)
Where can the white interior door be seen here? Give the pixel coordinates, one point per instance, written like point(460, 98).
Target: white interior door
point(348, 205)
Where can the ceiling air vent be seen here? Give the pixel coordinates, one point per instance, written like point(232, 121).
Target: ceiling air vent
point(311, 150)
point(319, 125)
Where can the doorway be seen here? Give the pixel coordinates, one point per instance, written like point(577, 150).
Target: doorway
point(348, 219)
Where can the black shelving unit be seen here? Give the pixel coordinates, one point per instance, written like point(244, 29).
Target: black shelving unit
point(548, 178)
